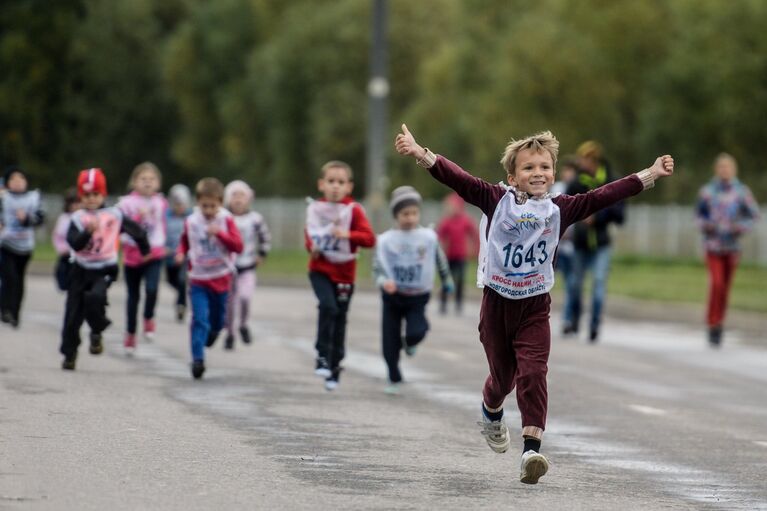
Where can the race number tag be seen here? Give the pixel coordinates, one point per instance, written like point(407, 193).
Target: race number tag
point(322, 218)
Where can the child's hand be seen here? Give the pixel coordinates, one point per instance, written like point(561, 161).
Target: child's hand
point(389, 287)
point(178, 259)
point(93, 224)
point(21, 215)
point(448, 288)
point(212, 230)
point(316, 252)
point(146, 258)
point(406, 145)
point(341, 234)
point(663, 166)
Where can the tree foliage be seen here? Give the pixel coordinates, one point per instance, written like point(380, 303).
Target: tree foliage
point(267, 90)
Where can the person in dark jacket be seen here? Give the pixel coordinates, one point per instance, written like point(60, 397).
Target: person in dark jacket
point(591, 240)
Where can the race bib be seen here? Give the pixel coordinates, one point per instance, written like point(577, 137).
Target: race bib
point(322, 218)
point(521, 244)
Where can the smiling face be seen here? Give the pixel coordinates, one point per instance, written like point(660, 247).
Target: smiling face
point(533, 172)
point(335, 184)
point(146, 183)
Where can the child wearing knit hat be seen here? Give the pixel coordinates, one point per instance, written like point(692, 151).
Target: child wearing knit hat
point(93, 236)
point(406, 257)
point(256, 243)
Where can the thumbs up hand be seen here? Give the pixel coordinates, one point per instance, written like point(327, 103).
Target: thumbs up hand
point(406, 145)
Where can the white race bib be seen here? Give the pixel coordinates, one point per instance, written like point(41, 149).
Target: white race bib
point(324, 217)
point(409, 258)
point(520, 247)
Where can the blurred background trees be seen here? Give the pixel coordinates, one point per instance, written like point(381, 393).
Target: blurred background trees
point(267, 90)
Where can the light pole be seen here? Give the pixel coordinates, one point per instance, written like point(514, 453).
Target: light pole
point(378, 93)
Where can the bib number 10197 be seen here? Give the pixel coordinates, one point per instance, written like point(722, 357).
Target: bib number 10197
point(516, 255)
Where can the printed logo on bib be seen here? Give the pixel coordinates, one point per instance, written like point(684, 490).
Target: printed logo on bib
point(521, 244)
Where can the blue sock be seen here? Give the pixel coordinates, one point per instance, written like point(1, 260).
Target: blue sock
point(493, 416)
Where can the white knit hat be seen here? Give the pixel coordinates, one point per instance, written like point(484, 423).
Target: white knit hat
point(237, 185)
point(180, 194)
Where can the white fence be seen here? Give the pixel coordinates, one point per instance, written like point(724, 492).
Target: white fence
point(659, 231)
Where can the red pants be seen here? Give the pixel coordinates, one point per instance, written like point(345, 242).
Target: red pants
point(721, 269)
point(517, 338)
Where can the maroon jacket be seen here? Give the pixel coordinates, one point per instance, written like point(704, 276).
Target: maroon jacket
point(572, 208)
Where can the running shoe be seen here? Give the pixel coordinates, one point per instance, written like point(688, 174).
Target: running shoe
point(149, 329)
point(97, 346)
point(534, 466)
point(496, 433)
point(129, 343)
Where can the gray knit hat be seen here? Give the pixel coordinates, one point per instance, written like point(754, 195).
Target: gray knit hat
point(402, 197)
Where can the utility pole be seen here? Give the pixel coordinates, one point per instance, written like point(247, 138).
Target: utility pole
point(378, 94)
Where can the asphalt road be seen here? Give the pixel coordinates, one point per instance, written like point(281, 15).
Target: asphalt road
point(649, 418)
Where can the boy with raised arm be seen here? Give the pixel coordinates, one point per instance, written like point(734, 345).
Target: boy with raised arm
point(524, 226)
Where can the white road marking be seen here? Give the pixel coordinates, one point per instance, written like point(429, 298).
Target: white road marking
point(647, 410)
point(761, 443)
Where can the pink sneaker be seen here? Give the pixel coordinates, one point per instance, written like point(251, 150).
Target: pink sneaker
point(149, 329)
point(129, 343)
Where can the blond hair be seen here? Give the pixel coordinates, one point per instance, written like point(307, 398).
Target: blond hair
point(210, 188)
point(726, 157)
point(543, 141)
point(147, 166)
point(590, 149)
point(332, 164)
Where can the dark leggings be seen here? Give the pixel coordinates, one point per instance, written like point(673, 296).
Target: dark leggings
point(396, 309)
point(150, 272)
point(176, 277)
point(86, 301)
point(334, 301)
point(458, 271)
point(12, 272)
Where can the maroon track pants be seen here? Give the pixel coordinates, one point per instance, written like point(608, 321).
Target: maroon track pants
point(721, 270)
point(517, 338)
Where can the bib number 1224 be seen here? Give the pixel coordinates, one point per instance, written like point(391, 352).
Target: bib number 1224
point(516, 256)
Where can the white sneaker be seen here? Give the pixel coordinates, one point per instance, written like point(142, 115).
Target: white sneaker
point(392, 389)
point(331, 384)
point(322, 369)
point(496, 433)
point(534, 466)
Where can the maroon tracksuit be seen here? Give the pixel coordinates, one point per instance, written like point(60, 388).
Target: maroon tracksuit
point(515, 333)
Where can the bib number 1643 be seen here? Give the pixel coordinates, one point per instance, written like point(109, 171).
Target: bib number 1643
point(516, 256)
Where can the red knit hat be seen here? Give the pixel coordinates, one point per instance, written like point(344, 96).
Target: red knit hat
point(91, 180)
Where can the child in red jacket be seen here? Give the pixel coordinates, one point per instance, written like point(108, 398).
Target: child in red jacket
point(336, 226)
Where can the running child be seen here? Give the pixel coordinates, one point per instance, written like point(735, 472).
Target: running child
point(180, 202)
point(336, 226)
point(59, 239)
point(256, 243)
point(146, 206)
point(93, 236)
point(20, 213)
point(459, 236)
point(406, 257)
point(209, 241)
point(524, 227)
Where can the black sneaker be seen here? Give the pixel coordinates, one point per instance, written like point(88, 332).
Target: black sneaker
point(212, 336)
point(198, 367)
point(331, 382)
point(593, 335)
point(180, 312)
point(245, 334)
point(229, 342)
point(715, 336)
point(97, 347)
point(69, 363)
point(6, 316)
point(14, 322)
point(569, 330)
point(322, 368)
